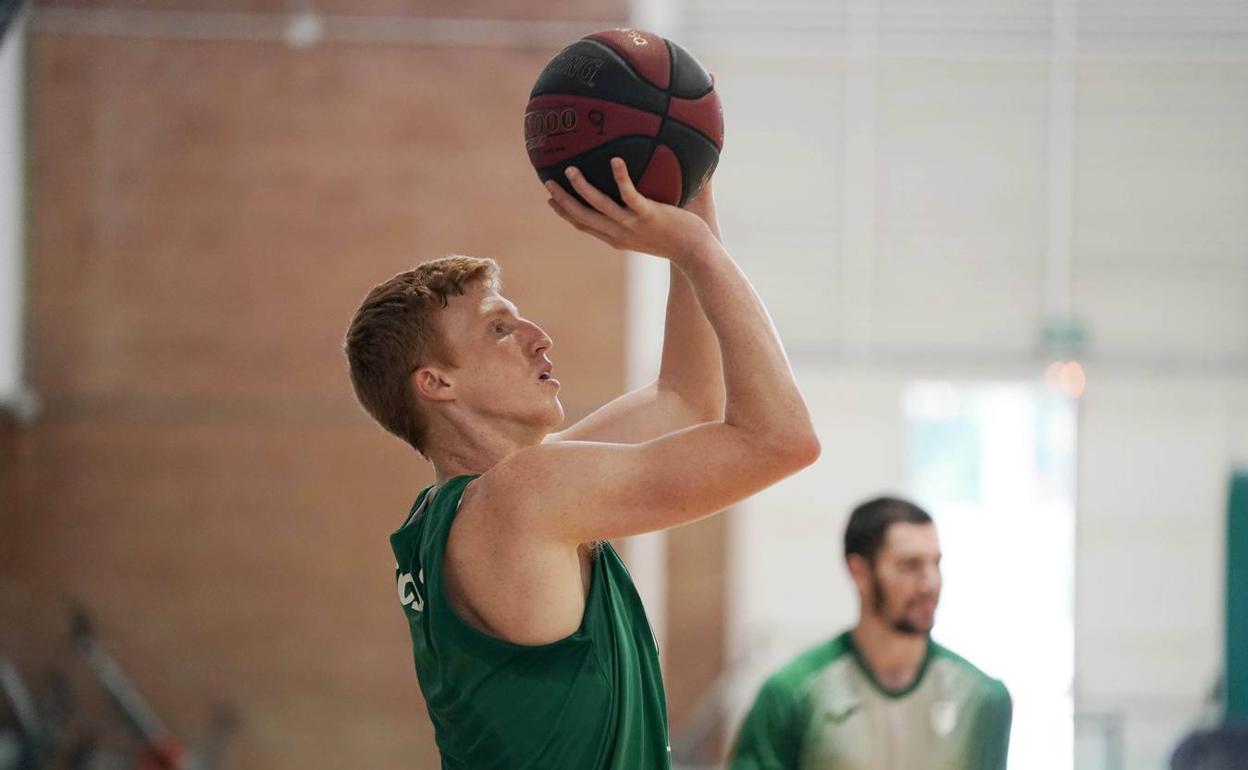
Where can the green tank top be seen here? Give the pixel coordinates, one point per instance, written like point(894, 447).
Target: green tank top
point(590, 701)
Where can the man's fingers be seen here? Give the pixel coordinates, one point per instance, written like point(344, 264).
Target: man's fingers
point(582, 218)
point(633, 199)
point(565, 216)
point(593, 196)
point(572, 207)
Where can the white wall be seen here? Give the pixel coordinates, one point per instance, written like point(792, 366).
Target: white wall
point(1154, 469)
point(789, 587)
point(890, 178)
point(1161, 209)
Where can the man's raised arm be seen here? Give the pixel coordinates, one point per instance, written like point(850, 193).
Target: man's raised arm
point(581, 491)
point(690, 386)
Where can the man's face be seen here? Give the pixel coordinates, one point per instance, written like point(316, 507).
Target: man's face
point(903, 584)
point(499, 365)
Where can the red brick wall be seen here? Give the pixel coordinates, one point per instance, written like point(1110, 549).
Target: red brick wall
point(10, 435)
point(697, 600)
point(207, 216)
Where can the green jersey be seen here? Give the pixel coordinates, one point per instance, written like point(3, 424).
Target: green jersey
point(590, 701)
point(825, 711)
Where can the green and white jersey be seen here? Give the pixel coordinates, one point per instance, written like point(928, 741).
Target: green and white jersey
point(825, 711)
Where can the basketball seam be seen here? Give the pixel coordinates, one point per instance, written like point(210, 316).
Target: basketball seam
point(671, 74)
point(654, 141)
point(624, 60)
point(671, 80)
point(692, 128)
point(680, 167)
point(658, 140)
point(666, 97)
point(667, 92)
point(671, 69)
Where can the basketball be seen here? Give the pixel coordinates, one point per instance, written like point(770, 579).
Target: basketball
point(628, 94)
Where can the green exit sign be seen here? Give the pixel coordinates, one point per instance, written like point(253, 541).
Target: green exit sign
point(1065, 336)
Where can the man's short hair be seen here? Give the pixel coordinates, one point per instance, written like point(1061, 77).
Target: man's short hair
point(395, 331)
point(868, 524)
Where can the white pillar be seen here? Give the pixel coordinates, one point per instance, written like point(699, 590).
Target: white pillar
point(647, 305)
point(12, 212)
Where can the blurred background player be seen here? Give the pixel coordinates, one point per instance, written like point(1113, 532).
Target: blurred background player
point(883, 695)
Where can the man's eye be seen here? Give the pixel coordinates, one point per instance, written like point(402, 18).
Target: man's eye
point(500, 328)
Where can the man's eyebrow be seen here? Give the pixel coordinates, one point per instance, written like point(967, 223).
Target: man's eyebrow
point(501, 308)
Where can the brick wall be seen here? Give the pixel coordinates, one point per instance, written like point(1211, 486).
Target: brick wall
point(207, 216)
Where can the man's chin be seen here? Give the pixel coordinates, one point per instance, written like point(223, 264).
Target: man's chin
point(913, 627)
point(554, 418)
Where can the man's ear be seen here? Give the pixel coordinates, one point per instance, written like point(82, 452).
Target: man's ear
point(433, 384)
point(860, 571)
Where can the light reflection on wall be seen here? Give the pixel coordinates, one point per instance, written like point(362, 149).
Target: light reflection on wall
point(994, 464)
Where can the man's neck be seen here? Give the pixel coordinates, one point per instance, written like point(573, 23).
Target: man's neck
point(464, 461)
point(458, 451)
point(893, 657)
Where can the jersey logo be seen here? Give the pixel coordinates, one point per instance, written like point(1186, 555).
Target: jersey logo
point(944, 717)
point(839, 717)
point(409, 593)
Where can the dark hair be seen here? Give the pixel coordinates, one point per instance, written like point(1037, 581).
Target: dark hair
point(868, 524)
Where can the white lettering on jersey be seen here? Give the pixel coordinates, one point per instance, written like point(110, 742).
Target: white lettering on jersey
point(409, 593)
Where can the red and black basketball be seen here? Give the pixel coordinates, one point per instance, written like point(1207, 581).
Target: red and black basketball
point(628, 94)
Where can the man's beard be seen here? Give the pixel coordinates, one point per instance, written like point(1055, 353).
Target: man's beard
point(901, 625)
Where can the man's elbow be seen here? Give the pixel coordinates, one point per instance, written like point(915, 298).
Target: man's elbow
point(804, 448)
point(794, 450)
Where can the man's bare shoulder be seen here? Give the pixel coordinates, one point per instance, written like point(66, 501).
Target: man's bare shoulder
point(540, 470)
point(529, 490)
point(512, 482)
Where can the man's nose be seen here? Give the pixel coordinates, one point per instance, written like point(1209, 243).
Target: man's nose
point(541, 341)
